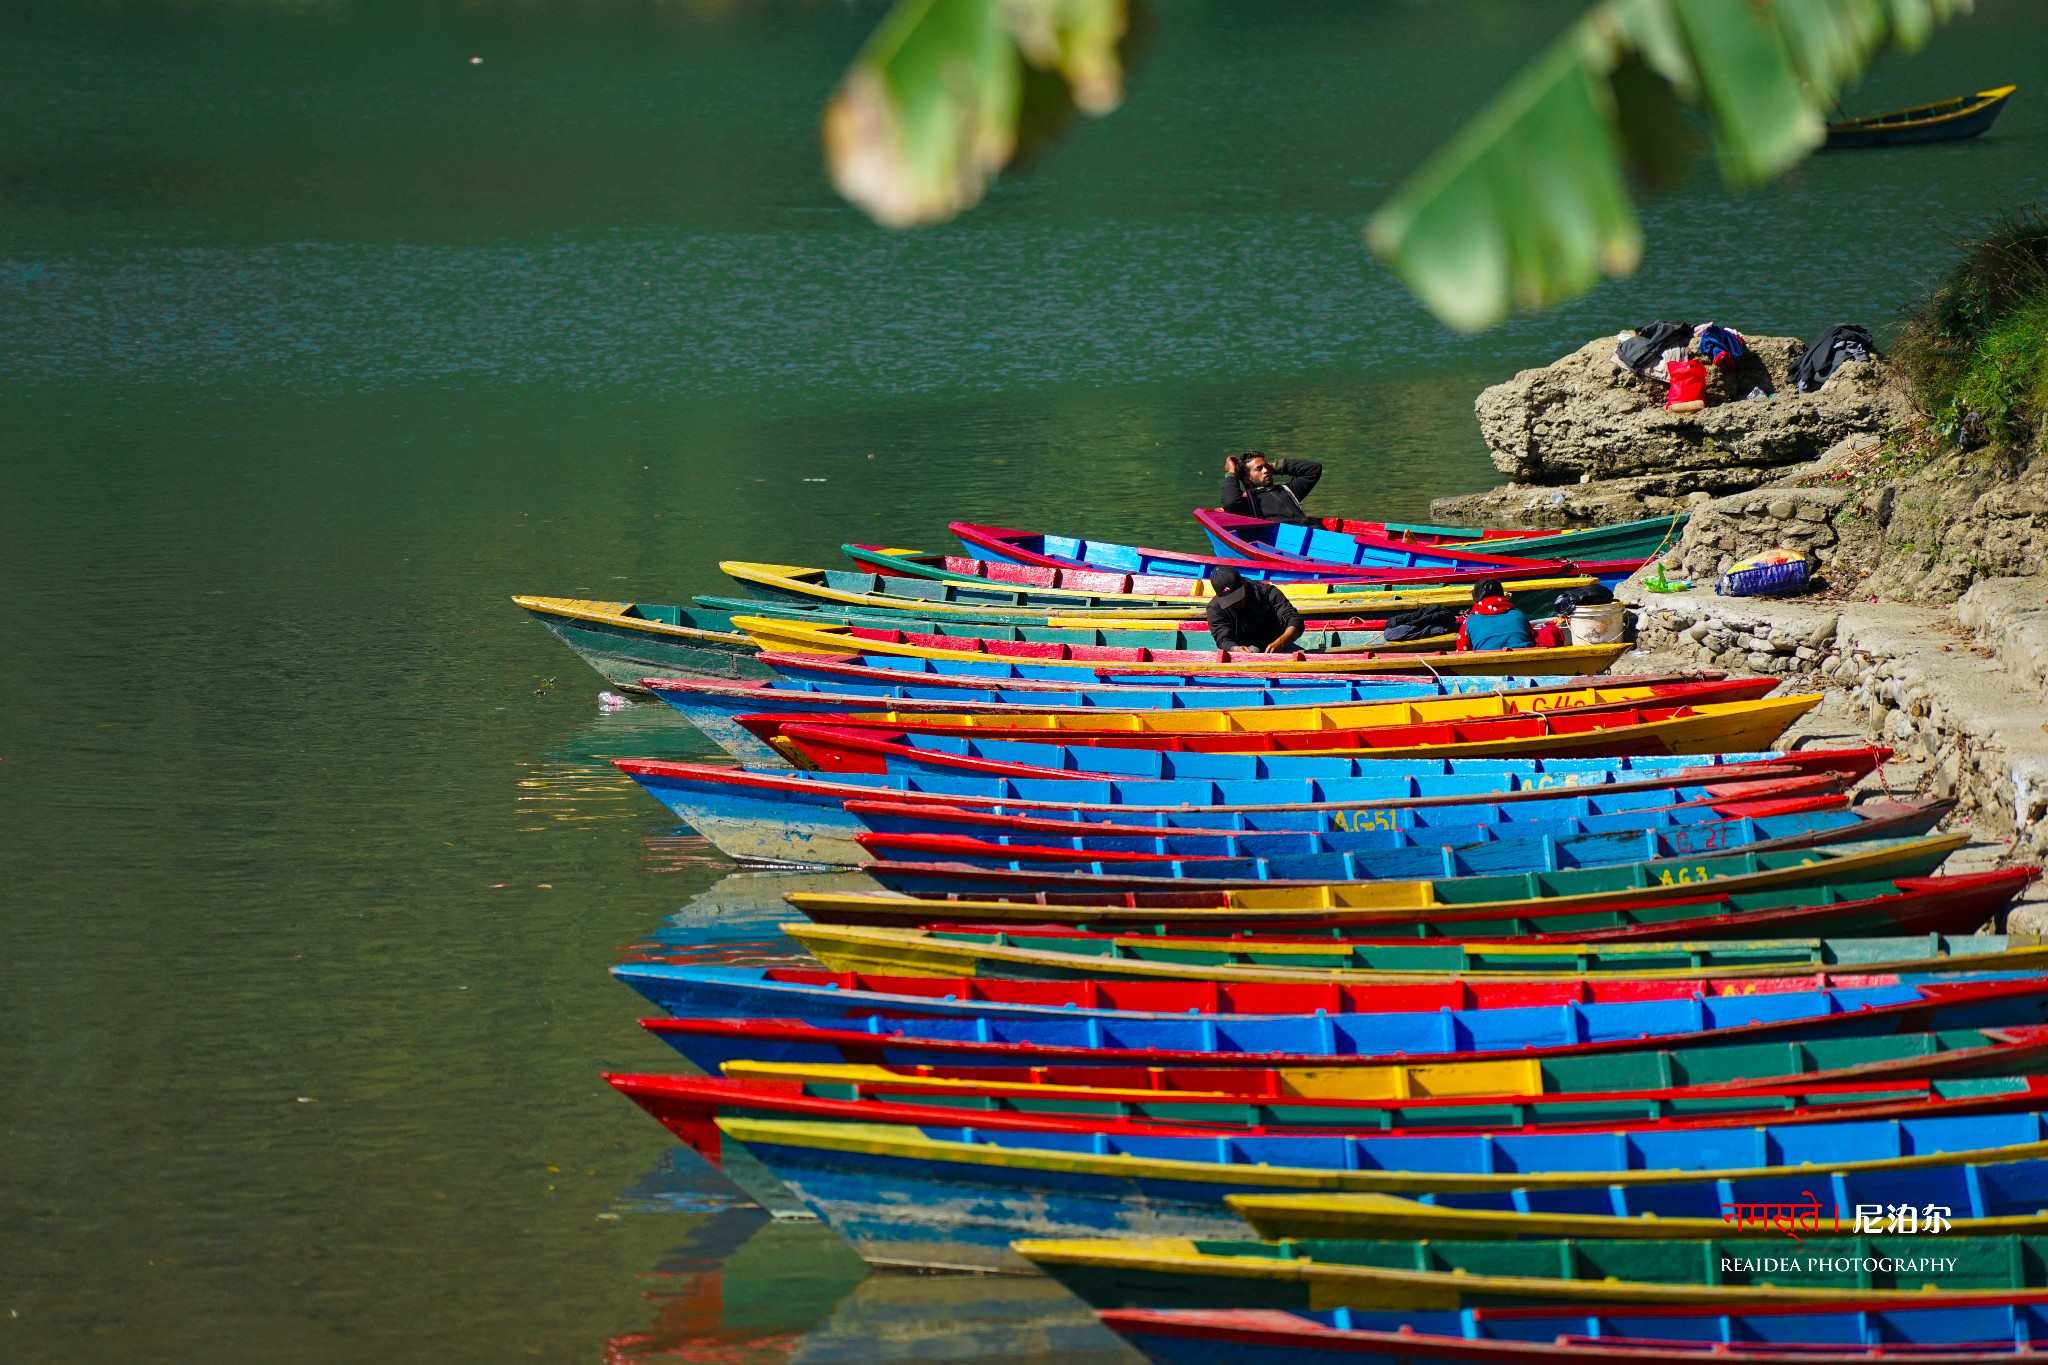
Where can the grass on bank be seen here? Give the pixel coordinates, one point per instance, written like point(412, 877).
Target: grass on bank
point(1976, 349)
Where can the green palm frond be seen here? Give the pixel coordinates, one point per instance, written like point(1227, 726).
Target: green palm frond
point(1528, 204)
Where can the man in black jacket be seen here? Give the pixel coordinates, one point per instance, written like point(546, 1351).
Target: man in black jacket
point(1250, 490)
point(1250, 615)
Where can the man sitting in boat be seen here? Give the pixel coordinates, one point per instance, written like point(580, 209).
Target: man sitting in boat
point(1250, 615)
point(1251, 490)
point(1494, 622)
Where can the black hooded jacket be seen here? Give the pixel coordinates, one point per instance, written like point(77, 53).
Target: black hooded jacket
point(1255, 622)
point(1276, 501)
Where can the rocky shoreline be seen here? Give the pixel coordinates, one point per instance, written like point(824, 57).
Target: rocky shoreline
point(1927, 627)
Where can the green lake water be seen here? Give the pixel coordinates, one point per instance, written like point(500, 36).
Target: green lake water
point(319, 339)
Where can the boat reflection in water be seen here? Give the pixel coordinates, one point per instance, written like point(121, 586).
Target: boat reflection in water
point(745, 1288)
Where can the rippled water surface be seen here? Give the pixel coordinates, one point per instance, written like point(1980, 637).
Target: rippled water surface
point(318, 339)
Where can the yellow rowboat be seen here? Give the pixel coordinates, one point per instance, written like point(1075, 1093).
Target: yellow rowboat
point(888, 951)
point(1377, 904)
point(1728, 727)
point(1181, 1272)
point(1085, 721)
point(628, 641)
point(1376, 1217)
point(995, 1163)
point(923, 597)
point(797, 637)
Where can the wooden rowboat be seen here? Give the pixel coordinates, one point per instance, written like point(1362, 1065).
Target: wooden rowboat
point(1415, 565)
point(631, 641)
point(1744, 798)
point(793, 584)
point(796, 637)
point(1591, 732)
point(1622, 540)
point(1310, 1043)
point(935, 863)
point(1928, 1329)
point(1999, 1197)
point(946, 1198)
point(848, 673)
point(1110, 628)
point(1117, 723)
point(1303, 549)
point(945, 867)
point(689, 1106)
point(1454, 899)
point(1052, 955)
point(1904, 906)
point(793, 816)
point(900, 568)
point(1950, 120)
point(627, 641)
point(1447, 1276)
point(2021, 1051)
point(713, 705)
point(811, 1024)
point(1610, 1004)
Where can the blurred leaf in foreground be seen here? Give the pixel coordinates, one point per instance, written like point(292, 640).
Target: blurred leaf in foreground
point(929, 111)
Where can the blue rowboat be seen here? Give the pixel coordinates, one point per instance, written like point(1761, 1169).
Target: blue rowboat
point(844, 999)
point(1697, 801)
point(788, 816)
point(1960, 1331)
point(829, 669)
point(788, 586)
point(927, 1195)
point(924, 754)
point(1418, 564)
point(1174, 631)
point(1459, 827)
point(1308, 547)
point(711, 704)
point(1928, 1329)
point(841, 999)
point(1324, 1041)
point(966, 869)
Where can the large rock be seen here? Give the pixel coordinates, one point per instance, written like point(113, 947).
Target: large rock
point(1966, 517)
point(1583, 418)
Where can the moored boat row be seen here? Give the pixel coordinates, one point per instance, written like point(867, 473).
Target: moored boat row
point(1375, 999)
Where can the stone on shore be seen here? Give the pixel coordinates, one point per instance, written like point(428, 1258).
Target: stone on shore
point(1583, 417)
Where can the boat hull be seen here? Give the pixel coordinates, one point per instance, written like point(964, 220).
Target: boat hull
point(1935, 1331)
point(625, 650)
point(1954, 120)
point(764, 816)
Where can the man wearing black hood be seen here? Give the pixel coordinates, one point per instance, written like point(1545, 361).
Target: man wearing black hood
point(1250, 490)
point(1247, 614)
